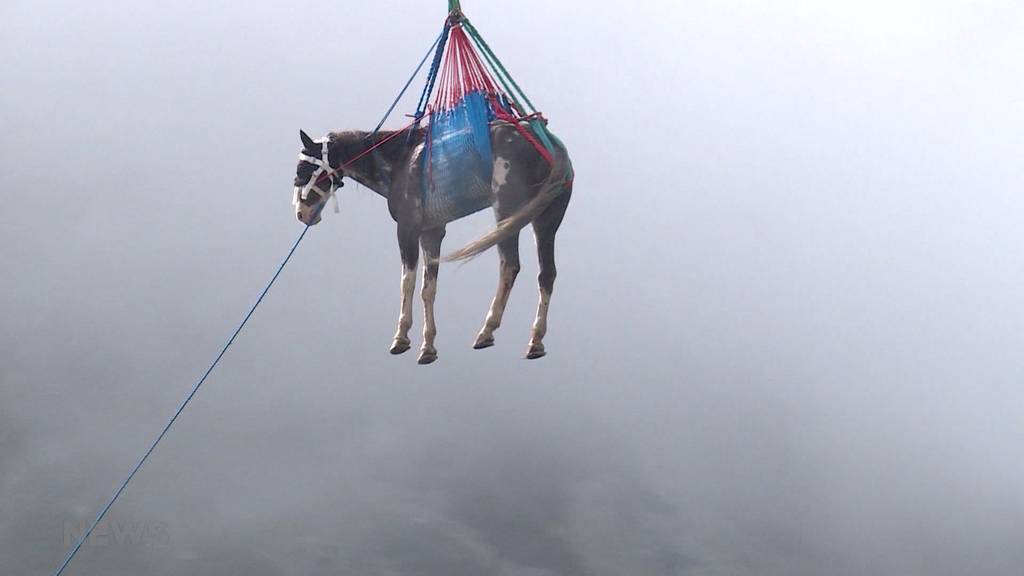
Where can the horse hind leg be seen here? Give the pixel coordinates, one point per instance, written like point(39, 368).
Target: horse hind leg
point(431, 243)
point(544, 229)
point(540, 323)
point(508, 252)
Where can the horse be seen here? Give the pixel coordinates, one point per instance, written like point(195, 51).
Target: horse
point(525, 188)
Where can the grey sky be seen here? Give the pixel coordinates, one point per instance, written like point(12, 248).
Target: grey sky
point(785, 337)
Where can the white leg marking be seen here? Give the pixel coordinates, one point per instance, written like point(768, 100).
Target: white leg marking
point(429, 293)
point(506, 279)
point(540, 325)
point(401, 343)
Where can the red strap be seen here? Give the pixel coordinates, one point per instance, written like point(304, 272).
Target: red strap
point(502, 114)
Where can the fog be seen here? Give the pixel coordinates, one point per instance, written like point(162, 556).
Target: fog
point(784, 340)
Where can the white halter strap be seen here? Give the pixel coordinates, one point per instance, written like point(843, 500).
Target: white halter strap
point(323, 166)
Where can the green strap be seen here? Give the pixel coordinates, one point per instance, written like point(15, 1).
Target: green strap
point(453, 5)
point(547, 139)
point(542, 134)
point(496, 63)
point(501, 78)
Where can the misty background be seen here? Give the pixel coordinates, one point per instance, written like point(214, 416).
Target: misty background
point(785, 337)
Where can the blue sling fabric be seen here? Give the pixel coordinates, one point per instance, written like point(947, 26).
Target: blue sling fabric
point(458, 165)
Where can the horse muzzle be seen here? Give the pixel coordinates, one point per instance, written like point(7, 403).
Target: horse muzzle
point(308, 216)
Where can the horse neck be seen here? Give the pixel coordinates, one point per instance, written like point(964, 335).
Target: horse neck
point(373, 170)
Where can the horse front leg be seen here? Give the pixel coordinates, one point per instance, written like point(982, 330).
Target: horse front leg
point(431, 243)
point(508, 252)
point(407, 245)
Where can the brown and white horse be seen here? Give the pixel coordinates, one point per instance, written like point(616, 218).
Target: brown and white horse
point(525, 189)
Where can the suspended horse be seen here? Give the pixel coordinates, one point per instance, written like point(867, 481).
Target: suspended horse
point(480, 147)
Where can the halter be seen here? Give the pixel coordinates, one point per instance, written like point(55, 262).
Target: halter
point(323, 166)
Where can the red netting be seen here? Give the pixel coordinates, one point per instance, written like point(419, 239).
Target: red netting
point(462, 73)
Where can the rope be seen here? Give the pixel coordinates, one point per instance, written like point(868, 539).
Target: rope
point(103, 512)
point(328, 173)
point(517, 105)
point(494, 58)
point(538, 127)
point(181, 408)
point(432, 76)
point(213, 365)
point(438, 48)
point(408, 82)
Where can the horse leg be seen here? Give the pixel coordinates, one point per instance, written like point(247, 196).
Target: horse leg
point(544, 228)
point(508, 252)
point(430, 241)
point(407, 246)
point(546, 280)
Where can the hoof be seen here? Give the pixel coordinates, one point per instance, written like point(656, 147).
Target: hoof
point(399, 346)
point(536, 351)
point(483, 341)
point(427, 357)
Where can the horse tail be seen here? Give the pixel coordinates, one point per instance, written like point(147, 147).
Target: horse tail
point(550, 188)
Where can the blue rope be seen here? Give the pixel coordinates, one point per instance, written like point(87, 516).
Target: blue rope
point(406, 87)
point(439, 43)
point(432, 77)
point(103, 512)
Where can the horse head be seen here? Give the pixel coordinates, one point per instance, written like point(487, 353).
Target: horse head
point(317, 176)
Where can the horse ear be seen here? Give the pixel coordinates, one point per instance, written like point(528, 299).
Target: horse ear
point(307, 142)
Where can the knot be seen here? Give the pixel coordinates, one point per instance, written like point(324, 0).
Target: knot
point(456, 17)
